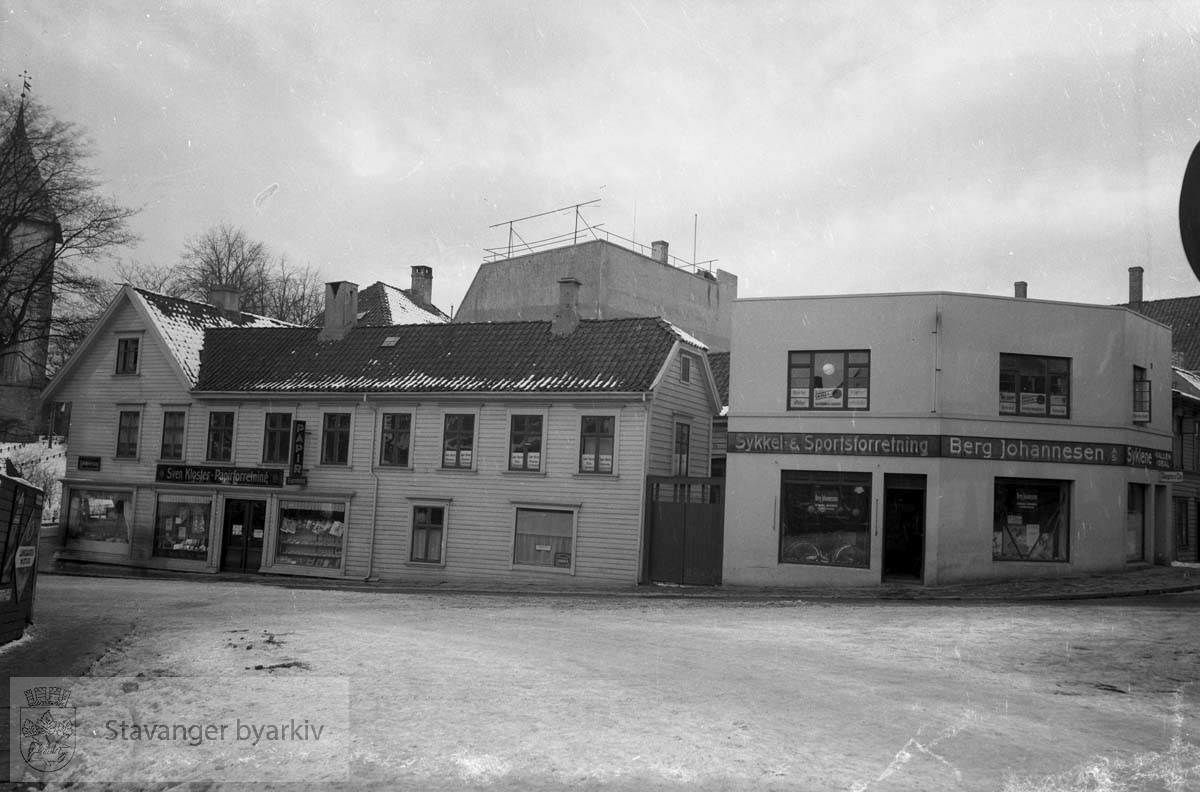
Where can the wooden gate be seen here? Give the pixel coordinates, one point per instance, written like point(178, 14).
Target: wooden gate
point(685, 529)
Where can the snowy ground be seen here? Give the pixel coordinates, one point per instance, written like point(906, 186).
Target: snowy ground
point(460, 691)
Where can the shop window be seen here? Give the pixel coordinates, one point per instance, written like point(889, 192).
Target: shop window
point(277, 438)
point(544, 538)
point(428, 533)
point(181, 524)
point(174, 426)
point(825, 518)
point(220, 437)
point(127, 355)
point(458, 440)
point(1181, 522)
point(395, 439)
point(833, 380)
point(99, 516)
point(1031, 520)
point(335, 439)
point(525, 442)
point(1141, 396)
point(683, 445)
point(596, 442)
point(128, 428)
point(1035, 385)
point(311, 534)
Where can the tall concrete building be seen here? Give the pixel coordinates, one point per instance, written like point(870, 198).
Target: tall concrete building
point(615, 283)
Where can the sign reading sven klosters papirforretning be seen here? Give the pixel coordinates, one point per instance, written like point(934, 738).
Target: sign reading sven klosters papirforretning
point(948, 446)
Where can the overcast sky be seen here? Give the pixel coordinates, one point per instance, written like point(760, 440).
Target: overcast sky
point(807, 147)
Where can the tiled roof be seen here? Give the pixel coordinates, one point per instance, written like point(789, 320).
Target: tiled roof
point(182, 324)
point(719, 363)
point(1182, 315)
point(614, 356)
point(381, 305)
point(1186, 384)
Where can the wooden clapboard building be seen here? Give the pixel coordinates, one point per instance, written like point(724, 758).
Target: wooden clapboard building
point(513, 451)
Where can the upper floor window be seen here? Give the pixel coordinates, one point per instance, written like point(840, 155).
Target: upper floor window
point(220, 436)
point(525, 443)
point(837, 380)
point(597, 437)
point(685, 367)
point(683, 443)
point(1035, 385)
point(127, 355)
point(335, 439)
point(277, 438)
point(128, 427)
point(1141, 395)
point(458, 440)
point(174, 423)
point(395, 439)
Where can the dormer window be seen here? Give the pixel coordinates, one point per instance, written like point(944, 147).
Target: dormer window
point(127, 355)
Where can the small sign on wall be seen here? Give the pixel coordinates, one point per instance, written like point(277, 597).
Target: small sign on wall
point(88, 463)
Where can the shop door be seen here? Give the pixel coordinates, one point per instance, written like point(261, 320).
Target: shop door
point(1135, 522)
point(903, 527)
point(245, 524)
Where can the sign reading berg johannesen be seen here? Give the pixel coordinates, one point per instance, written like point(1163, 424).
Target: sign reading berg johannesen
point(948, 446)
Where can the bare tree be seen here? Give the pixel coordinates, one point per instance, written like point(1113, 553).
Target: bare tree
point(54, 224)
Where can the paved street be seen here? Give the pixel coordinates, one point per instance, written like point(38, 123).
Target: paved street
point(500, 691)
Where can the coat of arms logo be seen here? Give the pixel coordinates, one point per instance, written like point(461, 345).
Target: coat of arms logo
point(47, 729)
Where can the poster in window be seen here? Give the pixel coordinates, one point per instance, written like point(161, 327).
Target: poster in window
point(449, 459)
point(799, 397)
point(464, 457)
point(827, 397)
point(856, 398)
point(826, 501)
point(606, 463)
point(1033, 532)
point(533, 460)
point(1033, 403)
point(1058, 405)
point(588, 463)
point(1008, 403)
point(517, 460)
point(1027, 499)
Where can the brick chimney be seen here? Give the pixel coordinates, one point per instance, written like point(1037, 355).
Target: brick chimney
point(658, 251)
point(1021, 290)
point(227, 300)
point(341, 310)
point(422, 284)
point(566, 315)
point(1135, 284)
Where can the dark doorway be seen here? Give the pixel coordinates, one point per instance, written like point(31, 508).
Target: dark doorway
point(903, 527)
point(685, 530)
point(245, 524)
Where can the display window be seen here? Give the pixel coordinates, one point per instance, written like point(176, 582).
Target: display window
point(1031, 520)
point(544, 538)
point(834, 380)
point(1035, 385)
point(311, 534)
point(99, 516)
point(181, 524)
point(825, 518)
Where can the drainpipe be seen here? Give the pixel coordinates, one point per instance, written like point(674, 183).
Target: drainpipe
point(375, 491)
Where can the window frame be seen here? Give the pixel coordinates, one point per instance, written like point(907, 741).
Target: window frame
point(849, 381)
point(556, 508)
point(121, 432)
point(686, 364)
point(74, 494)
point(511, 455)
point(1142, 395)
point(821, 552)
point(413, 507)
point(183, 413)
point(228, 436)
point(459, 434)
point(408, 439)
point(681, 463)
point(307, 546)
point(1182, 530)
point(1002, 522)
point(326, 432)
point(123, 367)
point(277, 433)
point(200, 554)
point(596, 456)
point(1010, 365)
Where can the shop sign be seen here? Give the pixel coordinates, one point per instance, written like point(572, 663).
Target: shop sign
point(298, 435)
point(952, 446)
point(1170, 477)
point(26, 555)
point(88, 463)
point(227, 476)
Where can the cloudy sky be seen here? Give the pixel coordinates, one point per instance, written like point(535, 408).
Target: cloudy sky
point(807, 147)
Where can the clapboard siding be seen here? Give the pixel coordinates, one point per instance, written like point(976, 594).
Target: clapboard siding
point(676, 401)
